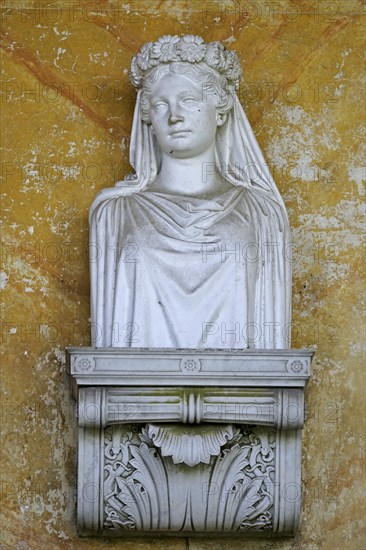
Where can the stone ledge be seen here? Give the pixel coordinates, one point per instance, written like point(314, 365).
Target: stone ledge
point(166, 367)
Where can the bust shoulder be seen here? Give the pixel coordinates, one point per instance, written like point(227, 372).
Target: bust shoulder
point(107, 202)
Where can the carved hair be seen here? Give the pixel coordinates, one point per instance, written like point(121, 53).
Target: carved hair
point(211, 82)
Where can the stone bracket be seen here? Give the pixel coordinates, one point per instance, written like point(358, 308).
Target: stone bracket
point(187, 442)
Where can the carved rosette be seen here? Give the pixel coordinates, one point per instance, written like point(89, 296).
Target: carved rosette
point(84, 364)
point(296, 365)
point(144, 490)
point(190, 364)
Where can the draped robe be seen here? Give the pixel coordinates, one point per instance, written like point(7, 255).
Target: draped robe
point(174, 271)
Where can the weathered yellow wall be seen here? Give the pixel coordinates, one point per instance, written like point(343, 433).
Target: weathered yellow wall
point(67, 108)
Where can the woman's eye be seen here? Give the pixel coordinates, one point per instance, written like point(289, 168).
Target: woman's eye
point(158, 106)
point(190, 101)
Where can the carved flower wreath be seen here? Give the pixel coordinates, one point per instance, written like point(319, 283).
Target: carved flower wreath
point(189, 48)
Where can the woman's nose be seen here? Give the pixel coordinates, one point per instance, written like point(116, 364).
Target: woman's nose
point(175, 115)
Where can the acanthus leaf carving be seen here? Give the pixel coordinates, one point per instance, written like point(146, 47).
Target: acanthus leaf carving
point(144, 490)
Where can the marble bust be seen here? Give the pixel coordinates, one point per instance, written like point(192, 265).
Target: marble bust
point(190, 410)
point(191, 248)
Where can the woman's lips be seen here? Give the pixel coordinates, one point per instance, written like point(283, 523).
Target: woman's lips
point(178, 132)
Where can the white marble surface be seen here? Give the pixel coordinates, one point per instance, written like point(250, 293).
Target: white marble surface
point(193, 249)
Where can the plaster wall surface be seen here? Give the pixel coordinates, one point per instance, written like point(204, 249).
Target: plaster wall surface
point(66, 115)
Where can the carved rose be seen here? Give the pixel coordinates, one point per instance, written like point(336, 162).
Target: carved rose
point(215, 55)
point(192, 48)
point(233, 69)
point(143, 57)
point(165, 48)
point(135, 73)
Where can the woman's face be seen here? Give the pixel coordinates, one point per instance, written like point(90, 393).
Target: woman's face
point(183, 118)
